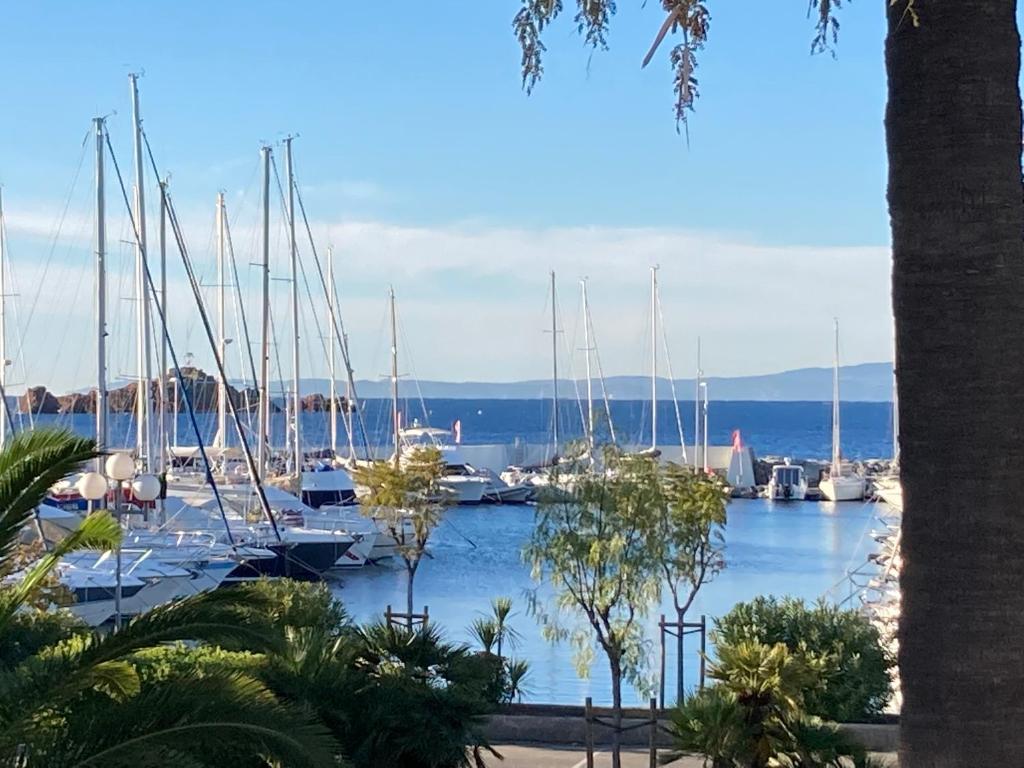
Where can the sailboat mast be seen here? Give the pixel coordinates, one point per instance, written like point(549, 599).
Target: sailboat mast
point(330, 344)
point(654, 357)
point(263, 447)
point(590, 381)
point(145, 372)
point(836, 458)
point(101, 298)
point(162, 373)
point(554, 364)
point(696, 411)
point(394, 381)
point(222, 330)
point(704, 386)
point(294, 253)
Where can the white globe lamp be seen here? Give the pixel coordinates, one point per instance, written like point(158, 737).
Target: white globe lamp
point(92, 486)
point(120, 466)
point(146, 487)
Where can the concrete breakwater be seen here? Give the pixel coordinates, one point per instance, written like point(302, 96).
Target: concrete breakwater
point(813, 468)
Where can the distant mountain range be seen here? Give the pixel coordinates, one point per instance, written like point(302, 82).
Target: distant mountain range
point(865, 382)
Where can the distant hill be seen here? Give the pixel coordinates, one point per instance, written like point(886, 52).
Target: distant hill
point(865, 382)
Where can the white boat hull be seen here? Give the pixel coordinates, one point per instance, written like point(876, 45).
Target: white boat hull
point(843, 488)
point(466, 489)
point(787, 492)
point(512, 494)
point(360, 551)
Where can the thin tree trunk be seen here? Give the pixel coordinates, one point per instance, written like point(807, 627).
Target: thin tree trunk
point(616, 670)
point(411, 568)
point(953, 127)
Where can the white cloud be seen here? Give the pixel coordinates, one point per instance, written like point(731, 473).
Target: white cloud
point(472, 295)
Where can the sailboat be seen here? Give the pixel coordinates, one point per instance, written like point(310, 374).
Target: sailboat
point(839, 486)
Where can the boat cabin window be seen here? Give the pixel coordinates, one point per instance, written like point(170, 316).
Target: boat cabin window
point(787, 475)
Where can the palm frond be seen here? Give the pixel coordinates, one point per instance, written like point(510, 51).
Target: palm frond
point(225, 617)
point(99, 531)
point(485, 632)
point(29, 465)
point(209, 721)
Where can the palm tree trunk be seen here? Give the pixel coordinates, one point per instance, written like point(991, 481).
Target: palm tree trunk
point(953, 127)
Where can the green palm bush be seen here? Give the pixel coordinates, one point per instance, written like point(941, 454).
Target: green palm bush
point(753, 716)
point(854, 666)
point(70, 697)
point(390, 695)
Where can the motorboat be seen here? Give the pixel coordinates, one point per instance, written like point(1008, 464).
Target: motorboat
point(501, 492)
point(146, 582)
point(460, 479)
point(301, 552)
point(788, 483)
point(327, 484)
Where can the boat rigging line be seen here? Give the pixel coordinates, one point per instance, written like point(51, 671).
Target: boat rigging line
point(339, 326)
point(250, 461)
point(240, 306)
point(161, 311)
point(671, 376)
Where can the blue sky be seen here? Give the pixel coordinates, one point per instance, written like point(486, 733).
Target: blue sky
point(424, 163)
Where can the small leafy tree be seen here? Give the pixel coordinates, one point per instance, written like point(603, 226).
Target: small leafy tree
point(689, 532)
point(407, 498)
point(595, 551)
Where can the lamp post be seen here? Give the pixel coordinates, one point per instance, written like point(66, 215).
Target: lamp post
point(118, 469)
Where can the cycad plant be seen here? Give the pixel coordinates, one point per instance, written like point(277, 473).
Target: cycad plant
point(505, 634)
point(81, 702)
point(754, 716)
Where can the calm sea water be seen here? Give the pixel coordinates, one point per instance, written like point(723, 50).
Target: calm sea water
point(800, 429)
point(801, 549)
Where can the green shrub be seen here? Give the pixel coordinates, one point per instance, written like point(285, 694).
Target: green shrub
point(30, 630)
point(843, 645)
point(182, 660)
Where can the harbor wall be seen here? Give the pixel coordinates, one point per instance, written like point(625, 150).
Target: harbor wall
point(723, 459)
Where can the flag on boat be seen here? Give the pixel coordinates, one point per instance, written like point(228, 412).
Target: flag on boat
point(457, 431)
point(737, 442)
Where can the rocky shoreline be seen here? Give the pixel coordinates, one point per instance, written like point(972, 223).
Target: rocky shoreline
point(201, 387)
point(813, 468)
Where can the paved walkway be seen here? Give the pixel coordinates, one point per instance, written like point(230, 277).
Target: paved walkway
point(533, 756)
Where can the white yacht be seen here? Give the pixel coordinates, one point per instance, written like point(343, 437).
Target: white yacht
point(327, 484)
point(840, 484)
point(146, 582)
point(460, 478)
point(302, 553)
point(788, 483)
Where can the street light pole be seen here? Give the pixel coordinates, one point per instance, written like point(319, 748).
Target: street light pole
point(119, 468)
point(118, 493)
